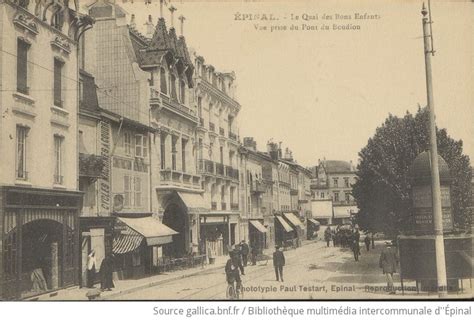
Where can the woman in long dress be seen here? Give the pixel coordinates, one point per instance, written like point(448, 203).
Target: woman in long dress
point(91, 262)
point(106, 273)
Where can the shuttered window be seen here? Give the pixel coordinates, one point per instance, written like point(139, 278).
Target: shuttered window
point(22, 67)
point(58, 69)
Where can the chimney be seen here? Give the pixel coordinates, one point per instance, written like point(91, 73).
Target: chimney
point(181, 19)
point(172, 9)
point(150, 28)
point(280, 155)
point(132, 21)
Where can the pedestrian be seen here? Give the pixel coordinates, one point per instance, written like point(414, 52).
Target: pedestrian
point(367, 242)
point(91, 263)
point(388, 262)
point(237, 255)
point(354, 239)
point(278, 262)
point(106, 273)
point(253, 254)
point(327, 235)
point(244, 251)
point(232, 268)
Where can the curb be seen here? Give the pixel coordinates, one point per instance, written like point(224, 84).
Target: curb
point(155, 283)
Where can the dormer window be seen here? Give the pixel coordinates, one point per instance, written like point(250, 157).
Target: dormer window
point(163, 86)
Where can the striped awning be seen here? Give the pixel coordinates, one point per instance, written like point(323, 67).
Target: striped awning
point(284, 224)
point(127, 241)
point(294, 220)
point(315, 222)
point(258, 225)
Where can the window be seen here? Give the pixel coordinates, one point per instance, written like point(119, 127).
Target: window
point(127, 143)
point(183, 154)
point(174, 140)
point(58, 70)
point(173, 86)
point(141, 146)
point(22, 67)
point(163, 150)
point(163, 86)
point(182, 91)
point(200, 107)
point(21, 133)
point(336, 196)
point(348, 197)
point(346, 182)
point(81, 92)
point(223, 194)
point(127, 191)
point(335, 182)
point(221, 152)
point(137, 186)
point(58, 159)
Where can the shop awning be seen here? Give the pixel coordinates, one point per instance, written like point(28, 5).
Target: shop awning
point(315, 222)
point(344, 211)
point(258, 225)
point(127, 241)
point(154, 232)
point(294, 220)
point(284, 224)
point(194, 202)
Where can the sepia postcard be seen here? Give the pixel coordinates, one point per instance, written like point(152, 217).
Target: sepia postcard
point(236, 150)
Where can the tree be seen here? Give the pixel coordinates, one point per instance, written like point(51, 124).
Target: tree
point(383, 187)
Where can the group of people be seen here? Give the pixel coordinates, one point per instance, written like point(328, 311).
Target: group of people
point(238, 259)
point(105, 272)
point(348, 238)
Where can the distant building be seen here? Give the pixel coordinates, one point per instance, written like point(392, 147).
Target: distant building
point(333, 179)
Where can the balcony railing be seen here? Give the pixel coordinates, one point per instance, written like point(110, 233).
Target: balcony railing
point(175, 178)
point(223, 205)
point(232, 136)
point(212, 127)
point(257, 187)
point(91, 165)
point(221, 131)
point(213, 205)
point(206, 167)
point(219, 169)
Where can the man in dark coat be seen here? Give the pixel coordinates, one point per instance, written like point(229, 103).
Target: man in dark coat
point(367, 242)
point(327, 235)
point(253, 254)
point(355, 239)
point(244, 251)
point(388, 262)
point(278, 262)
point(232, 268)
point(106, 273)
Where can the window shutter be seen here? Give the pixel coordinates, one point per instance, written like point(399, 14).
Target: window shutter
point(57, 83)
point(22, 67)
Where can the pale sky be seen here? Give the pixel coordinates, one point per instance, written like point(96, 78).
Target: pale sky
point(323, 93)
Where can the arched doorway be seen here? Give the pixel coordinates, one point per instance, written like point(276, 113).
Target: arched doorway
point(42, 247)
point(175, 217)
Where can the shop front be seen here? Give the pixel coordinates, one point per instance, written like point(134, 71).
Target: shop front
point(40, 240)
point(285, 235)
point(137, 245)
point(257, 235)
point(217, 233)
point(295, 222)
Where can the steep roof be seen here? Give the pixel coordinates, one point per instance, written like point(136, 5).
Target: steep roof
point(337, 166)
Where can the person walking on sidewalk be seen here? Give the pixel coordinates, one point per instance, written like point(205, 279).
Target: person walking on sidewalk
point(327, 235)
point(253, 254)
point(278, 262)
point(367, 242)
point(354, 239)
point(388, 262)
point(106, 273)
point(244, 251)
point(91, 263)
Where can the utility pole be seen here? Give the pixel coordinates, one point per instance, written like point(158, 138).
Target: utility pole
point(435, 182)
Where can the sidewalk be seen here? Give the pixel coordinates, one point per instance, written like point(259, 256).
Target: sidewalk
point(131, 285)
point(127, 286)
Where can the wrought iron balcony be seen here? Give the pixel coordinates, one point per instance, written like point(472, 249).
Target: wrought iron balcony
point(206, 167)
point(91, 165)
point(257, 187)
point(212, 127)
point(219, 169)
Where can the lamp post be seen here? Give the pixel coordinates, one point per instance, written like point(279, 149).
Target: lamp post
point(435, 180)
